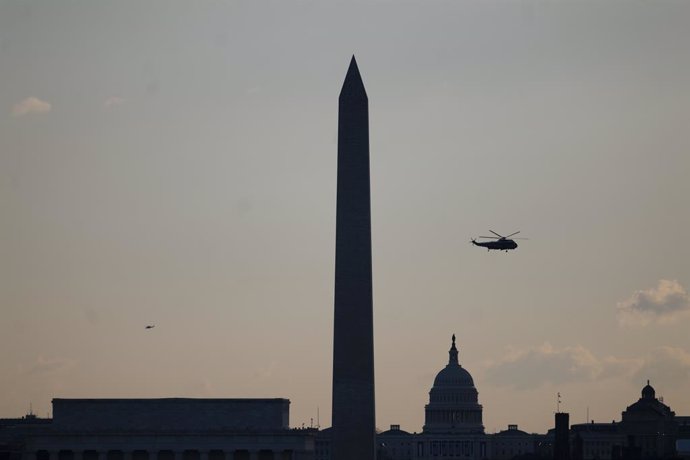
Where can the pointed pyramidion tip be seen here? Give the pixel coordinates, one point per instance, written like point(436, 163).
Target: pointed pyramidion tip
point(353, 68)
point(353, 85)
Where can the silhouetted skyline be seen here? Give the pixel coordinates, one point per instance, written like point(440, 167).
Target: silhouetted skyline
point(174, 164)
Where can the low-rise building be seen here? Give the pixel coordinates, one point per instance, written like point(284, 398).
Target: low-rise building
point(597, 441)
point(513, 442)
point(160, 429)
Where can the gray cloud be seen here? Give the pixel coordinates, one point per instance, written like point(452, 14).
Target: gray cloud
point(534, 367)
point(544, 364)
point(662, 304)
point(30, 105)
point(665, 364)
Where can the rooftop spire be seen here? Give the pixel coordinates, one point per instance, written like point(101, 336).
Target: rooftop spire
point(453, 353)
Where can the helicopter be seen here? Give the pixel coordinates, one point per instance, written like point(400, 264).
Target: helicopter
point(501, 243)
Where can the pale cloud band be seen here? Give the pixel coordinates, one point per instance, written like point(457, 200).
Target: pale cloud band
point(665, 364)
point(664, 303)
point(532, 367)
point(30, 105)
point(543, 365)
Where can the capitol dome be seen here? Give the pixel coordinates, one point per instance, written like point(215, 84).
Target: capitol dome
point(453, 375)
point(453, 400)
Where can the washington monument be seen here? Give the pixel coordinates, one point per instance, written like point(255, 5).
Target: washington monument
point(354, 436)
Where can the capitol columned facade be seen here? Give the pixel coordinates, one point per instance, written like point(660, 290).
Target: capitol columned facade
point(453, 418)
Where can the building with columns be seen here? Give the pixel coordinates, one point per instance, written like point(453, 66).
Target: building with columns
point(453, 401)
point(453, 418)
point(159, 429)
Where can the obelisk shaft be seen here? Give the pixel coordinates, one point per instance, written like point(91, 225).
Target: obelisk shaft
point(354, 431)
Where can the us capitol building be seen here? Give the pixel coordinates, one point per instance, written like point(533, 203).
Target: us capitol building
point(453, 426)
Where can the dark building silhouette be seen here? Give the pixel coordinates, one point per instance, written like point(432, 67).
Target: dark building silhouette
point(514, 443)
point(649, 430)
point(453, 418)
point(578, 452)
point(561, 446)
point(683, 437)
point(453, 400)
point(650, 427)
point(158, 429)
point(354, 432)
point(602, 441)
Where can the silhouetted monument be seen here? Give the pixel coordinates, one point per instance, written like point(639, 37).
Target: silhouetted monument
point(354, 432)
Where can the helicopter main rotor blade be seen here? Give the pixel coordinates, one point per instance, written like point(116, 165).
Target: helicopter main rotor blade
point(513, 234)
point(519, 238)
point(500, 236)
point(487, 237)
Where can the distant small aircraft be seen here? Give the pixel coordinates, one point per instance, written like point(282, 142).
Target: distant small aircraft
point(150, 326)
point(502, 243)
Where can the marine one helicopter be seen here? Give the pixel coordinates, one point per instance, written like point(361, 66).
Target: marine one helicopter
point(501, 243)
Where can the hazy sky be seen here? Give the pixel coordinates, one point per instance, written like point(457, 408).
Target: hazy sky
point(174, 163)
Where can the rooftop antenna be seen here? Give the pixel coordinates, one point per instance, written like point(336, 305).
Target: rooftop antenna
point(318, 425)
point(31, 408)
point(587, 421)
